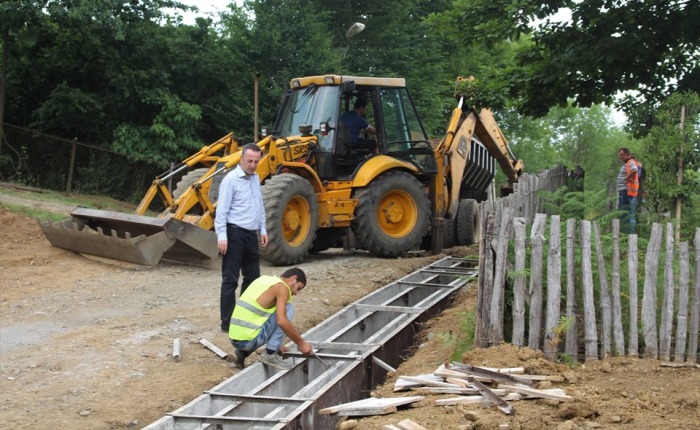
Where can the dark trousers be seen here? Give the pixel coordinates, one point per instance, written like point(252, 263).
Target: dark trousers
point(629, 205)
point(242, 256)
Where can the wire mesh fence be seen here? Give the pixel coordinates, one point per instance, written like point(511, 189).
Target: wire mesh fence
point(39, 160)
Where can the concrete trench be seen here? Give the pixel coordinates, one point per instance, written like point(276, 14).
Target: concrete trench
point(359, 344)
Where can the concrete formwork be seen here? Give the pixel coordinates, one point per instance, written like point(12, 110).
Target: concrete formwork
point(358, 344)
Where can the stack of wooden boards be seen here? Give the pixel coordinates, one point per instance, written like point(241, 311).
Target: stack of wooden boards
point(472, 384)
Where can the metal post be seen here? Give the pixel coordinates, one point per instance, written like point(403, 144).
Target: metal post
point(71, 165)
point(680, 177)
point(256, 102)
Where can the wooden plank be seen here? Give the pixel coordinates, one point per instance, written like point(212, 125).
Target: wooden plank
point(390, 427)
point(651, 265)
point(410, 425)
point(428, 382)
point(682, 318)
point(518, 338)
point(532, 392)
point(481, 372)
point(695, 310)
point(382, 364)
point(537, 244)
point(475, 400)
point(632, 264)
point(618, 331)
point(605, 308)
point(590, 335)
point(484, 292)
point(371, 406)
point(177, 349)
point(554, 378)
point(215, 349)
point(501, 404)
point(552, 333)
point(462, 382)
point(499, 281)
point(679, 365)
point(571, 346)
point(666, 327)
point(402, 383)
point(444, 390)
point(506, 370)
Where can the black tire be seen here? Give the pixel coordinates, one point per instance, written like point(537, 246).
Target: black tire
point(448, 234)
point(292, 218)
point(467, 224)
point(187, 180)
point(327, 238)
point(185, 184)
point(392, 215)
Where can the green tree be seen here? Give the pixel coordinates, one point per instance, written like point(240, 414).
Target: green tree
point(649, 46)
point(661, 152)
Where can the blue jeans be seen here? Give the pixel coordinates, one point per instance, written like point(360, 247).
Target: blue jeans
point(628, 204)
point(270, 334)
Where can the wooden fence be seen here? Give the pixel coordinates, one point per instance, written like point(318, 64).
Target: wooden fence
point(536, 304)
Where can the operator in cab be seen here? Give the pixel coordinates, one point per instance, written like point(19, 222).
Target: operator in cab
point(356, 123)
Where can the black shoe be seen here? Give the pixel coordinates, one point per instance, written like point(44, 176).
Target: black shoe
point(239, 359)
point(224, 328)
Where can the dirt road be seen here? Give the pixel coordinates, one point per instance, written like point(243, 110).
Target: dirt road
point(85, 343)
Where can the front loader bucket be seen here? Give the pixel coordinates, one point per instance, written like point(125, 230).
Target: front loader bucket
point(132, 238)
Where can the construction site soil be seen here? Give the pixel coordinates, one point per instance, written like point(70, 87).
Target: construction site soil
point(86, 343)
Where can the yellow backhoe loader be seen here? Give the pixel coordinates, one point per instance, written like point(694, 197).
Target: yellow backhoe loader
point(394, 191)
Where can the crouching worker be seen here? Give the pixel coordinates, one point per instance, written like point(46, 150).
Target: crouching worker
point(263, 315)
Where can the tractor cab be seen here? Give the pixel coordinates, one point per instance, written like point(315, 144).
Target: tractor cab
point(327, 106)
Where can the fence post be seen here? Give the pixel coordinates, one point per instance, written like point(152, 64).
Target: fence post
point(537, 243)
point(667, 306)
point(695, 313)
point(651, 267)
point(571, 337)
point(682, 321)
point(553, 336)
point(485, 288)
point(618, 334)
point(605, 311)
point(71, 166)
point(519, 283)
point(590, 334)
point(632, 263)
point(499, 280)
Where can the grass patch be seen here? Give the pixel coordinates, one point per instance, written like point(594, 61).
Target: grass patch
point(74, 200)
point(465, 340)
point(36, 213)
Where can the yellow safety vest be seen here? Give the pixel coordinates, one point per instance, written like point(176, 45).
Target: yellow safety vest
point(248, 316)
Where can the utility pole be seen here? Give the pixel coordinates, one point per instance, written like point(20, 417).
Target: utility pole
point(3, 79)
point(680, 177)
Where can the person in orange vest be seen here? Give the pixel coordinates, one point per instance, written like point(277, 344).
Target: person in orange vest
point(627, 190)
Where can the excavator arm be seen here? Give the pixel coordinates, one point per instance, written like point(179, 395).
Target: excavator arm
point(452, 153)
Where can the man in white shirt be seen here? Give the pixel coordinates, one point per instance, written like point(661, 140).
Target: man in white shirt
point(240, 216)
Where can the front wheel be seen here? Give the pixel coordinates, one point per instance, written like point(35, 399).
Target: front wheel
point(292, 216)
point(392, 215)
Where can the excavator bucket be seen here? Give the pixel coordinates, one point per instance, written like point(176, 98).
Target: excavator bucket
point(132, 238)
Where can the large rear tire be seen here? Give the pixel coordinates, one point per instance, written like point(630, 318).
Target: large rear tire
point(292, 218)
point(448, 234)
point(468, 224)
point(392, 215)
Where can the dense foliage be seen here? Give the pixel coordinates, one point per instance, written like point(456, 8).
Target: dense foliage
point(132, 77)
